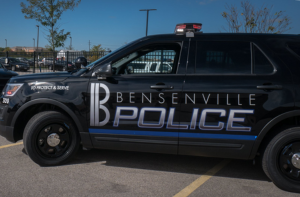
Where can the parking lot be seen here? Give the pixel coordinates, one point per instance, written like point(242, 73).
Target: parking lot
point(119, 173)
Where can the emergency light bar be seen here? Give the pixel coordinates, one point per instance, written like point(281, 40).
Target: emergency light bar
point(181, 29)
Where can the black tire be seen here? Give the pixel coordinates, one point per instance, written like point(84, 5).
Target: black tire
point(50, 67)
point(282, 147)
point(43, 153)
point(13, 68)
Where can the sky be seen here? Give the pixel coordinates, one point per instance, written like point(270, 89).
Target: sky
point(112, 23)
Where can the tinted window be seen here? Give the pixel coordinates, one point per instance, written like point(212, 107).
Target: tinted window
point(261, 63)
point(223, 58)
point(295, 47)
point(149, 60)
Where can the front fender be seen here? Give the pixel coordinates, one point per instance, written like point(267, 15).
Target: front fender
point(48, 101)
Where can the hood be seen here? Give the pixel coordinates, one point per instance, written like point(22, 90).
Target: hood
point(51, 76)
point(5, 72)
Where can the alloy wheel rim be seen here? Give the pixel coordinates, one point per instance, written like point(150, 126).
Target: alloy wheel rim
point(289, 160)
point(53, 141)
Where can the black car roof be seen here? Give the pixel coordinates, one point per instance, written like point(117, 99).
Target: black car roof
point(227, 35)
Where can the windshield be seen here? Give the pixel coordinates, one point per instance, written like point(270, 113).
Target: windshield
point(91, 65)
point(14, 60)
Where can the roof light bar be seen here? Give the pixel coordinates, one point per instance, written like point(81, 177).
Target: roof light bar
point(181, 29)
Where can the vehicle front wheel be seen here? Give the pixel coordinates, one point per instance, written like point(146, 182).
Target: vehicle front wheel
point(50, 138)
point(13, 68)
point(281, 160)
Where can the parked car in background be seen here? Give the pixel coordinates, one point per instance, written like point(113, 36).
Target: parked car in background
point(5, 75)
point(14, 64)
point(25, 60)
point(62, 66)
point(46, 61)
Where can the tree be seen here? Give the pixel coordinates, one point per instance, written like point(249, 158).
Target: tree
point(7, 49)
point(70, 48)
point(48, 13)
point(96, 52)
point(49, 48)
point(255, 20)
point(97, 48)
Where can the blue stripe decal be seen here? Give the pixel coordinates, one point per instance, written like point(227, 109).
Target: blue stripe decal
point(133, 132)
point(217, 136)
point(173, 134)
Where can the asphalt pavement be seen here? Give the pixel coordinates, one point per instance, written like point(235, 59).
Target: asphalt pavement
point(120, 173)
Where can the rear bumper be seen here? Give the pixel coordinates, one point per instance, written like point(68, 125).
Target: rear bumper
point(7, 132)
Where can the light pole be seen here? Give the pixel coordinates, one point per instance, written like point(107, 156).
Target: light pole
point(5, 43)
point(37, 41)
point(33, 42)
point(147, 18)
point(70, 43)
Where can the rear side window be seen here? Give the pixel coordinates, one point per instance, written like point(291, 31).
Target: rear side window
point(295, 47)
point(261, 63)
point(223, 57)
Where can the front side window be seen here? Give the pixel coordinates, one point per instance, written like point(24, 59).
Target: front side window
point(223, 57)
point(154, 59)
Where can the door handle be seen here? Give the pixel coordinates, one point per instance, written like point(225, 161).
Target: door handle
point(270, 87)
point(161, 87)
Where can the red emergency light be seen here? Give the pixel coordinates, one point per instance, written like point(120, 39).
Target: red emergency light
point(188, 27)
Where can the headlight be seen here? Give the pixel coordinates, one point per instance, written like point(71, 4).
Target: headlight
point(17, 66)
point(12, 88)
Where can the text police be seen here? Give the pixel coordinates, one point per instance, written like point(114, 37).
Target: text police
point(139, 114)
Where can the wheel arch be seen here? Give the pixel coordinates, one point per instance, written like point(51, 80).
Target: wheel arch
point(272, 126)
point(44, 101)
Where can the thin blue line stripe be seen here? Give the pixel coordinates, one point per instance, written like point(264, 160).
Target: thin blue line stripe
point(133, 132)
point(173, 134)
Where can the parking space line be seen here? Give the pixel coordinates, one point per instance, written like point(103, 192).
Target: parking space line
point(202, 179)
point(9, 145)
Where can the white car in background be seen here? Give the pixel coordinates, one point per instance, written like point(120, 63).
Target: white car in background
point(139, 67)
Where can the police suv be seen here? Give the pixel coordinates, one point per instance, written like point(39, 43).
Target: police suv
point(226, 95)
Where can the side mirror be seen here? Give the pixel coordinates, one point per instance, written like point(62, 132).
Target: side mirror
point(103, 72)
point(130, 69)
point(6, 60)
point(80, 62)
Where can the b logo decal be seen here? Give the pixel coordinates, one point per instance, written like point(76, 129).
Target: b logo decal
point(96, 104)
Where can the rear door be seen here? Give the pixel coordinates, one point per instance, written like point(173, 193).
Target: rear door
point(232, 89)
point(139, 107)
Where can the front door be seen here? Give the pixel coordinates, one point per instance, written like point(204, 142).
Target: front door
point(138, 108)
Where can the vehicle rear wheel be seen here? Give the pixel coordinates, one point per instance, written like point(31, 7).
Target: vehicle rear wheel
point(281, 160)
point(50, 138)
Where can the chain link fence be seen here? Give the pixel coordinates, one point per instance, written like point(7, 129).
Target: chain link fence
point(40, 62)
